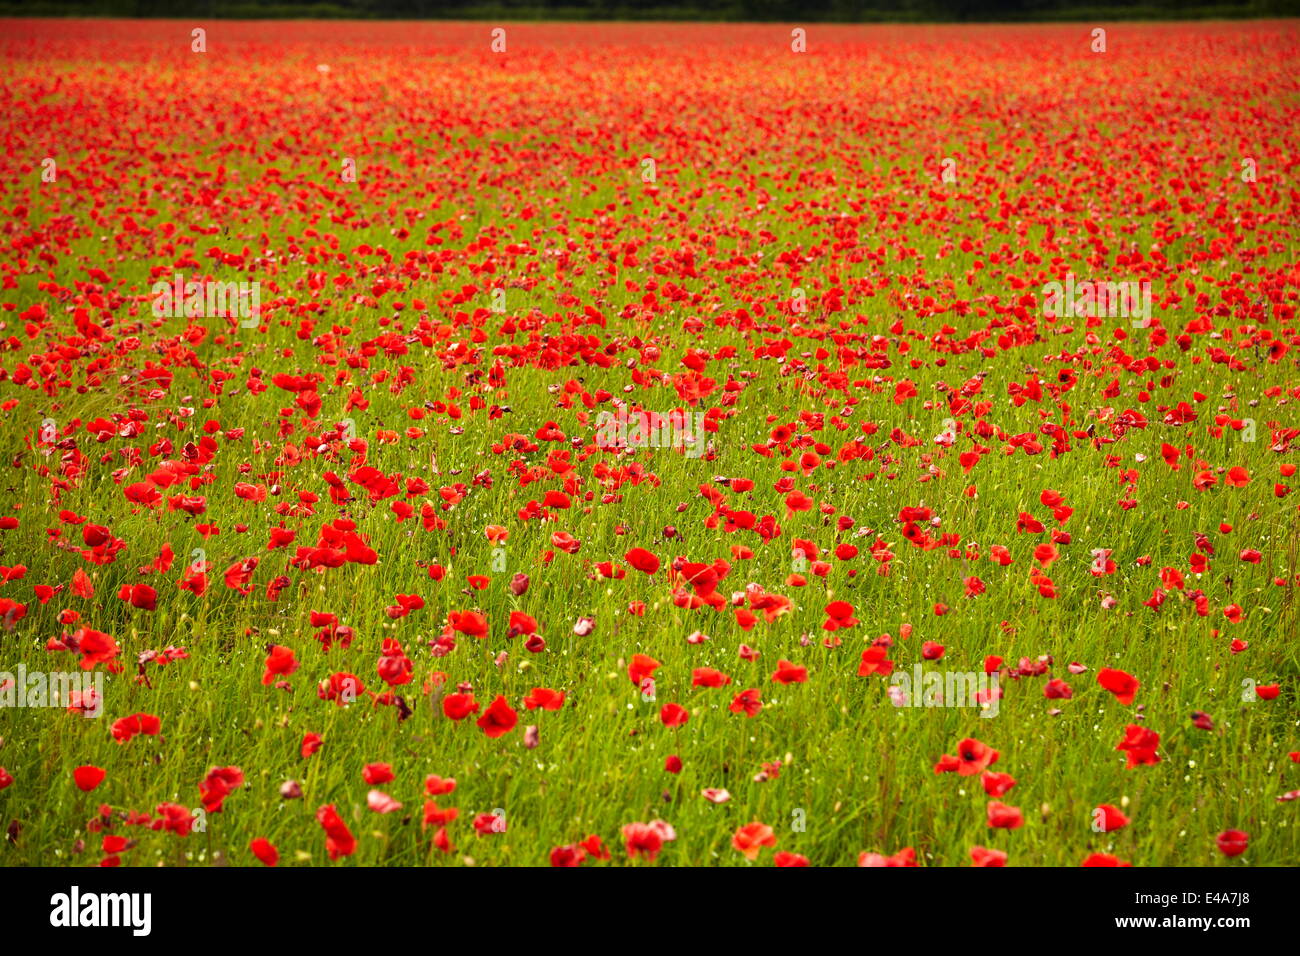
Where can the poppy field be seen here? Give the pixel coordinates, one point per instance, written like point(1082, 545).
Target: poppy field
point(449, 444)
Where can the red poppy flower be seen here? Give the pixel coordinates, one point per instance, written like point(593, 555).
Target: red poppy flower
point(127, 727)
point(265, 851)
point(1004, 817)
point(459, 706)
point(499, 718)
point(838, 614)
point(747, 702)
point(1232, 842)
point(996, 784)
point(96, 647)
point(88, 778)
point(1103, 859)
point(674, 715)
point(708, 677)
point(280, 662)
point(874, 661)
point(642, 560)
point(567, 856)
point(470, 623)
point(339, 840)
point(641, 668)
point(219, 784)
point(1107, 818)
point(1123, 686)
point(788, 673)
point(140, 596)
point(1140, 745)
point(437, 786)
point(974, 757)
point(544, 698)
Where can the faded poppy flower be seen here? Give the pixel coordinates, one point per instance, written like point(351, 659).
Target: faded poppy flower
point(1003, 817)
point(904, 857)
point(981, 856)
point(750, 839)
point(380, 802)
point(642, 840)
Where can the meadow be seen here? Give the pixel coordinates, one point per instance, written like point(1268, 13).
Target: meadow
point(931, 553)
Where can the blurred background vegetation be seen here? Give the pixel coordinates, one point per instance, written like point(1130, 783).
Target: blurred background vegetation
point(784, 11)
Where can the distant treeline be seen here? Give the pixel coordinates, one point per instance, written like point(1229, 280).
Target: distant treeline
point(786, 11)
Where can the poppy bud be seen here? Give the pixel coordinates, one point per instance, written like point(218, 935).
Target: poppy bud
point(518, 584)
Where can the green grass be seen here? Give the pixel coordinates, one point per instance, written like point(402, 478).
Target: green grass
point(856, 766)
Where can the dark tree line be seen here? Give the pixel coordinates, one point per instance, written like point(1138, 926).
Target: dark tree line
point(796, 11)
